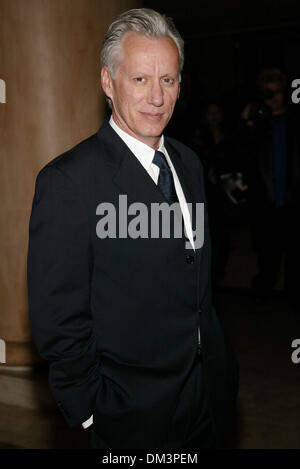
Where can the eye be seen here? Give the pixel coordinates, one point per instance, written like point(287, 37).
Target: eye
point(140, 79)
point(168, 81)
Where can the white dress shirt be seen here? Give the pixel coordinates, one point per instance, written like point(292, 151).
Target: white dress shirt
point(145, 155)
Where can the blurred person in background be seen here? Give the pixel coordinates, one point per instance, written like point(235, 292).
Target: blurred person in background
point(225, 187)
point(270, 140)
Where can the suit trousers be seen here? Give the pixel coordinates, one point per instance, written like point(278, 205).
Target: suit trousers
point(198, 434)
point(201, 434)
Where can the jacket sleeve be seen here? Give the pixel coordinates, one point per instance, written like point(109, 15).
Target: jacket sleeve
point(59, 271)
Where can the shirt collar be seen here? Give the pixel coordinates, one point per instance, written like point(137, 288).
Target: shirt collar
point(143, 152)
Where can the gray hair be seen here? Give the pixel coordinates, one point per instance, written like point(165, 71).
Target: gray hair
point(148, 22)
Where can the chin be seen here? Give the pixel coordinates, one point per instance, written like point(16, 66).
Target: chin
point(153, 130)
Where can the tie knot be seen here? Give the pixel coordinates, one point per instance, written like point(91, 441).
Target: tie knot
point(160, 160)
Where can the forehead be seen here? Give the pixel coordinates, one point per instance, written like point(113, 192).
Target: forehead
point(138, 49)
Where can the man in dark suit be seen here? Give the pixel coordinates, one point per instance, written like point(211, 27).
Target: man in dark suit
point(124, 314)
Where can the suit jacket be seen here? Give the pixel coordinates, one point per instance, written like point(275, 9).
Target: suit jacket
point(117, 317)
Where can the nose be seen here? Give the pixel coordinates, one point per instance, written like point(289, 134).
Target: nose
point(155, 94)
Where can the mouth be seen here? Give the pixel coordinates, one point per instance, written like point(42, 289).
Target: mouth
point(152, 116)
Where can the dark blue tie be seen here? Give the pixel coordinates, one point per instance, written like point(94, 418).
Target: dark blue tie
point(165, 179)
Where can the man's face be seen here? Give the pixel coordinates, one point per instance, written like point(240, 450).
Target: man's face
point(276, 102)
point(145, 87)
point(214, 115)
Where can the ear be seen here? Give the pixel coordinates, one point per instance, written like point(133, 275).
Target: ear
point(106, 82)
point(179, 88)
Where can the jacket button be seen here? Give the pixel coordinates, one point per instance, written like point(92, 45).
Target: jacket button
point(190, 259)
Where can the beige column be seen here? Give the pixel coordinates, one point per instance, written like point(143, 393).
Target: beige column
point(50, 99)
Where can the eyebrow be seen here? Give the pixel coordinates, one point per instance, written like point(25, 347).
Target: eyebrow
point(169, 74)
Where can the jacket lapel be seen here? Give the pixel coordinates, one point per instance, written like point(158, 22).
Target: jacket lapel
point(128, 173)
